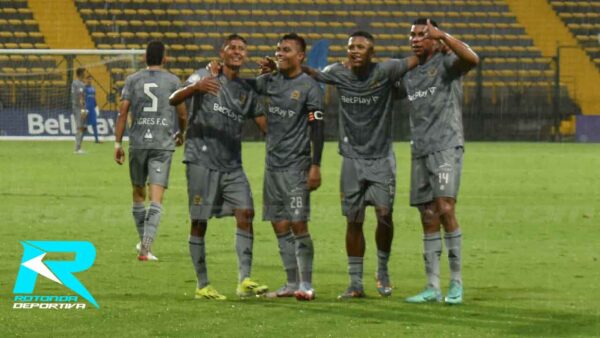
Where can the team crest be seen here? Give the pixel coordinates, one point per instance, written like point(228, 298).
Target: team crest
point(432, 72)
point(242, 98)
point(295, 95)
point(197, 200)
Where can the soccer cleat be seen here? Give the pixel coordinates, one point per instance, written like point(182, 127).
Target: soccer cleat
point(352, 292)
point(148, 257)
point(79, 152)
point(455, 293)
point(208, 292)
point(303, 294)
point(284, 291)
point(248, 288)
point(428, 295)
point(384, 287)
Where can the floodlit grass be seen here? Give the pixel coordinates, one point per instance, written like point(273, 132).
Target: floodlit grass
point(530, 215)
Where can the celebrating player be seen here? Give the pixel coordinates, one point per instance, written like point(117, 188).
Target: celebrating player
point(369, 167)
point(217, 184)
point(434, 89)
point(151, 141)
point(294, 102)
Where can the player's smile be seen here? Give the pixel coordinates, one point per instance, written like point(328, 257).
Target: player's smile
point(234, 53)
point(288, 56)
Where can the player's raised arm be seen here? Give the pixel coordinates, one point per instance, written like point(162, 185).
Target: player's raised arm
point(206, 84)
point(120, 130)
point(467, 58)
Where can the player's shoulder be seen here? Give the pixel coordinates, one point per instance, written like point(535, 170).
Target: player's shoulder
point(198, 74)
point(334, 67)
point(308, 81)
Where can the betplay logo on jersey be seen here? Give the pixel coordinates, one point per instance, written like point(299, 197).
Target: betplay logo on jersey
point(57, 271)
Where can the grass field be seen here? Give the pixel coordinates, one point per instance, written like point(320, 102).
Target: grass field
point(530, 215)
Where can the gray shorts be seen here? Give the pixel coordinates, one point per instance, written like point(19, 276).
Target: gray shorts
point(435, 175)
point(286, 196)
point(150, 166)
point(216, 193)
point(79, 124)
point(367, 182)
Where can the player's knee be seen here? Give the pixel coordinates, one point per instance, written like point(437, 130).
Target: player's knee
point(445, 208)
point(384, 217)
point(198, 228)
point(244, 218)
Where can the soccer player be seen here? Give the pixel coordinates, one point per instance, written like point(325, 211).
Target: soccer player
point(90, 106)
point(294, 102)
point(78, 106)
point(217, 184)
point(368, 174)
point(434, 89)
point(151, 140)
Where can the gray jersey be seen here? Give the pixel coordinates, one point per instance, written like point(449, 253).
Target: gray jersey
point(288, 102)
point(214, 136)
point(77, 90)
point(152, 117)
point(434, 90)
point(365, 107)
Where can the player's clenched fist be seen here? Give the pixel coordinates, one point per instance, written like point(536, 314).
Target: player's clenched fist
point(119, 154)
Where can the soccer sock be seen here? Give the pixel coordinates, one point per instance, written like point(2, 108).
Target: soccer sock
point(304, 254)
point(78, 139)
point(95, 129)
point(432, 247)
point(198, 255)
point(287, 251)
point(355, 270)
point(139, 215)
point(382, 265)
point(243, 247)
point(453, 244)
point(151, 224)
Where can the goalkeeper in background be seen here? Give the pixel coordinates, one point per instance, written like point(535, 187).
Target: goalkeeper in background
point(151, 140)
point(91, 106)
point(78, 105)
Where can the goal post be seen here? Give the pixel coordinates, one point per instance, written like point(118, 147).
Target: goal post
point(35, 89)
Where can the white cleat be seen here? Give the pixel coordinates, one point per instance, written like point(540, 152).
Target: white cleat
point(148, 257)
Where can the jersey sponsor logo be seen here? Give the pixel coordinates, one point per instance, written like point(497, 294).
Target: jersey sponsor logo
point(295, 95)
point(421, 93)
point(366, 100)
point(227, 112)
point(281, 112)
point(315, 115)
point(148, 135)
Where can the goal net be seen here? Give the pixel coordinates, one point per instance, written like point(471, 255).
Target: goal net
point(35, 89)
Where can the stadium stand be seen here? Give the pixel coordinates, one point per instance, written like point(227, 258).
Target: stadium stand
point(583, 20)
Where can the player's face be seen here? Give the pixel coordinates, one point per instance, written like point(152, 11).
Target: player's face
point(418, 41)
point(234, 53)
point(360, 51)
point(288, 55)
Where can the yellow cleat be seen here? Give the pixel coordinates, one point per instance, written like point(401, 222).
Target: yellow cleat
point(248, 288)
point(208, 292)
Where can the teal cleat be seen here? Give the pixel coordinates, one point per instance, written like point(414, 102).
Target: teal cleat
point(428, 295)
point(455, 293)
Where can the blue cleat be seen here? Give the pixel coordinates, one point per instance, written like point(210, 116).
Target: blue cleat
point(455, 293)
point(428, 295)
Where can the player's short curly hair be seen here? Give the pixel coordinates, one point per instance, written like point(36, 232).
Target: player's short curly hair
point(363, 34)
point(155, 52)
point(295, 37)
point(232, 37)
point(423, 21)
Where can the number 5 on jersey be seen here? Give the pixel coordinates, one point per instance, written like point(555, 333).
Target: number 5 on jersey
point(154, 107)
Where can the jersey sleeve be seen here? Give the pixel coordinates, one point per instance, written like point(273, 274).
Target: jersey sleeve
point(396, 68)
point(260, 83)
point(314, 97)
point(328, 75)
point(258, 105)
point(126, 92)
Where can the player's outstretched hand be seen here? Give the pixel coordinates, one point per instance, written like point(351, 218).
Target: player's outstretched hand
point(208, 85)
point(214, 67)
point(314, 177)
point(179, 138)
point(119, 155)
point(267, 65)
point(432, 32)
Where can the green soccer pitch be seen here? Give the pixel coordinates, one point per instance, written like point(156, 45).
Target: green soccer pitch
point(530, 216)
